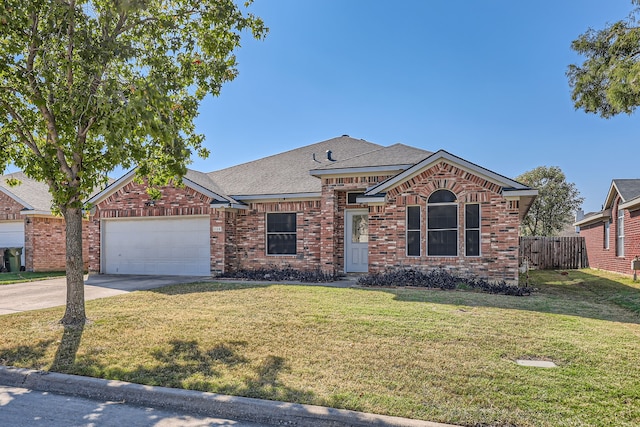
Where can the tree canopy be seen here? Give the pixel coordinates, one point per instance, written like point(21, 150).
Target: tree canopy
point(90, 85)
point(555, 205)
point(608, 81)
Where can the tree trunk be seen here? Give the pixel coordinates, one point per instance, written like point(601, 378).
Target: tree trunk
point(74, 314)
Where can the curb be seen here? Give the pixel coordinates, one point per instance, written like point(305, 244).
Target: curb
point(208, 404)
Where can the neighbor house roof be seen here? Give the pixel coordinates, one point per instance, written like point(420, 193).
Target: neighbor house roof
point(31, 194)
point(288, 173)
point(629, 192)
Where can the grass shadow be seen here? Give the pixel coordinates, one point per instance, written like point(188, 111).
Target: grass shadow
point(184, 364)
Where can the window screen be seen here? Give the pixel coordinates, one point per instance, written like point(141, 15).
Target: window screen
point(472, 229)
point(413, 231)
point(281, 234)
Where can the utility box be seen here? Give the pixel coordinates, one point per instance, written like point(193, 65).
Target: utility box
point(635, 264)
point(14, 256)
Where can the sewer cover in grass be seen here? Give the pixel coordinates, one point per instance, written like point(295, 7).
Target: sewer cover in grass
point(537, 363)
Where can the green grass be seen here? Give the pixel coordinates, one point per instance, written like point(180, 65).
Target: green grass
point(27, 276)
point(446, 356)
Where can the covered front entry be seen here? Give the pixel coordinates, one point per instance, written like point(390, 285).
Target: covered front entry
point(168, 246)
point(356, 241)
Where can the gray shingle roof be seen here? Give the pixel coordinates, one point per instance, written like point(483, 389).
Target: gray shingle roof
point(34, 193)
point(628, 188)
point(288, 172)
point(203, 180)
point(394, 155)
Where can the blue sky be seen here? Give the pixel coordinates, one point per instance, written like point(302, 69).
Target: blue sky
point(484, 80)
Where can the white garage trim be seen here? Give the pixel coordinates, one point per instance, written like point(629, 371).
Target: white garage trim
point(178, 245)
point(12, 236)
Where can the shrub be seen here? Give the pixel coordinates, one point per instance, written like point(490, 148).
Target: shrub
point(277, 274)
point(439, 278)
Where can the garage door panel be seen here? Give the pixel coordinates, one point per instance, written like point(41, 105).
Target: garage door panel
point(12, 235)
point(177, 246)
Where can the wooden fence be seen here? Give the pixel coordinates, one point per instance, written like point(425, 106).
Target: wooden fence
point(547, 253)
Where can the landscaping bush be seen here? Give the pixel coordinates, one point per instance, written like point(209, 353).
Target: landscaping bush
point(439, 279)
point(276, 274)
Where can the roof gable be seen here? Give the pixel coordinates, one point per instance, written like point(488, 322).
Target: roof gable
point(288, 172)
point(31, 194)
point(442, 155)
point(195, 180)
point(628, 189)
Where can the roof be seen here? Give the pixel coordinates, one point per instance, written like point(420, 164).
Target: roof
point(627, 188)
point(31, 194)
point(288, 172)
point(396, 157)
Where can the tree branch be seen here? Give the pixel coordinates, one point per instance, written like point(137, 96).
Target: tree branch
point(22, 129)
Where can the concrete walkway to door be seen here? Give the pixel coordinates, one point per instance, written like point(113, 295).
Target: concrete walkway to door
point(53, 292)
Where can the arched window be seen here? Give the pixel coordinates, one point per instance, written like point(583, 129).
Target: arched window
point(442, 224)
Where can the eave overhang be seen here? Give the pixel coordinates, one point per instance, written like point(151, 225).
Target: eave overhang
point(602, 216)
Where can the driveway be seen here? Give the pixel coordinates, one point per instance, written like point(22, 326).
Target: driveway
point(53, 292)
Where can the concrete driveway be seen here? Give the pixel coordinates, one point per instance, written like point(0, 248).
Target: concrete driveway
point(53, 292)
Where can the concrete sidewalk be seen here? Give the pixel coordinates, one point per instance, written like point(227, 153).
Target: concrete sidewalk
point(263, 412)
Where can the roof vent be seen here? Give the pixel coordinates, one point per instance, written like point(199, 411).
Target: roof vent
point(345, 135)
point(329, 156)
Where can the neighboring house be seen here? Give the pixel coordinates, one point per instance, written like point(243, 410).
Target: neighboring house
point(343, 205)
point(26, 221)
point(612, 236)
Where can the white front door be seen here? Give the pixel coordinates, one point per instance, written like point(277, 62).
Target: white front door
point(356, 241)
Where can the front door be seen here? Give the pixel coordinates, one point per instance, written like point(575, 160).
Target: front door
point(356, 241)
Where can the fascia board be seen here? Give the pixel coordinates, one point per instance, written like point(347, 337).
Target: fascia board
point(33, 212)
point(223, 205)
point(632, 204)
point(438, 156)
point(509, 193)
point(283, 196)
point(611, 195)
point(359, 170)
point(200, 189)
point(371, 200)
point(16, 198)
point(115, 186)
point(599, 217)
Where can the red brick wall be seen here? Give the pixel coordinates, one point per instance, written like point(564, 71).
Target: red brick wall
point(131, 201)
point(44, 245)
point(498, 258)
point(248, 246)
point(606, 259)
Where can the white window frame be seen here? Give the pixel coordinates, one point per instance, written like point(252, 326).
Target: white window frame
point(414, 230)
point(478, 229)
point(456, 229)
point(607, 234)
point(620, 233)
point(267, 232)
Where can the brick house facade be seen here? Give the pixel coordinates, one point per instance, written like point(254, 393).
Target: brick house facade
point(26, 221)
point(612, 236)
point(339, 206)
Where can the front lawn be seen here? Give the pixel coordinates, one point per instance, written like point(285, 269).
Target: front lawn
point(446, 356)
point(27, 276)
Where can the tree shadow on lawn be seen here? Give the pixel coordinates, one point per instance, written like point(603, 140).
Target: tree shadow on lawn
point(186, 365)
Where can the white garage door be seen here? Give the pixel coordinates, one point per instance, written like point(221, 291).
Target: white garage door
point(174, 246)
point(12, 235)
